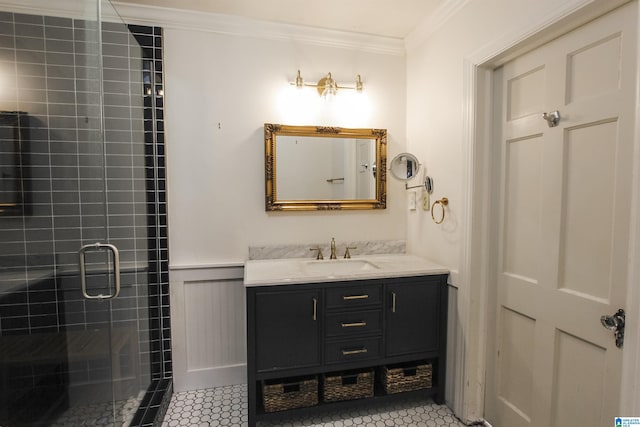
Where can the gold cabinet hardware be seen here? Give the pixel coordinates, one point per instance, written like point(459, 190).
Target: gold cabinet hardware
point(315, 308)
point(352, 352)
point(354, 325)
point(352, 297)
point(393, 302)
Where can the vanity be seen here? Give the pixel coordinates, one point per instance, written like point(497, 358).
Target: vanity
point(360, 321)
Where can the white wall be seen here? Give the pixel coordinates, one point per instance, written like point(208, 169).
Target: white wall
point(220, 90)
point(440, 129)
point(436, 103)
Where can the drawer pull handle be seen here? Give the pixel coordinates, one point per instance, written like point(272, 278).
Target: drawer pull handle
point(393, 302)
point(352, 352)
point(315, 309)
point(352, 297)
point(354, 325)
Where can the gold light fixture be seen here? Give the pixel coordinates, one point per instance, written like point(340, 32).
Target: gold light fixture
point(327, 85)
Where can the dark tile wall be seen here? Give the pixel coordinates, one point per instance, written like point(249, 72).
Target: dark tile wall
point(156, 398)
point(74, 194)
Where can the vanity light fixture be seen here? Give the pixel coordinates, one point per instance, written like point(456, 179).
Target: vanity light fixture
point(327, 85)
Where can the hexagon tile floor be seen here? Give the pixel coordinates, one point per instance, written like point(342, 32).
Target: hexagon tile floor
point(227, 406)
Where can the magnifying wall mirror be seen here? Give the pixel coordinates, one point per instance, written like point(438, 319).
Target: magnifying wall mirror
point(404, 166)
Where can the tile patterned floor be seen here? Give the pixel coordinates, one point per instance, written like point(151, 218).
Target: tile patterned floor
point(99, 414)
point(227, 406)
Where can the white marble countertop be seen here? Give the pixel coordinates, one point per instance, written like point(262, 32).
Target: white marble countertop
point(305, 270)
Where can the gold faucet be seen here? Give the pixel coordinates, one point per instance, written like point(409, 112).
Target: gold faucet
point(333, 249)
point(319, 254)
point(347, 255)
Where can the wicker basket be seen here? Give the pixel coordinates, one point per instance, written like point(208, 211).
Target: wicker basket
point(348, 386)
point(406, 378)
point(283, 396)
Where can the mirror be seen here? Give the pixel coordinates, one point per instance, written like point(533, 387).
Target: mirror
point(324, 168)
point(404, 166)
point(15, 192)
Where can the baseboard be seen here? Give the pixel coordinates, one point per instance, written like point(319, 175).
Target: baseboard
point(198, 379)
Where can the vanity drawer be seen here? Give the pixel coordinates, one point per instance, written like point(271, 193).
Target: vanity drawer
point(353, 296)
point(352, 350)
point(349, 323)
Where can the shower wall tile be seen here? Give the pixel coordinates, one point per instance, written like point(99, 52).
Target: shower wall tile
point(53, 75)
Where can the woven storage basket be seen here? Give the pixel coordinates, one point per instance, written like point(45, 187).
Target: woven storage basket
point(348, 386)
point(406, 378)
point(283, 396)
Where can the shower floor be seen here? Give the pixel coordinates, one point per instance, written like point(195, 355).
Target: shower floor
point(99, 414)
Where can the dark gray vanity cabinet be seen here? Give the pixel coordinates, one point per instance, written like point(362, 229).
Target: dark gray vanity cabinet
point(287, 329)
point(309, 330)
point(413, 316)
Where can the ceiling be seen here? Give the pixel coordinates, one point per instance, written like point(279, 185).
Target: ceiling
point(389, 18)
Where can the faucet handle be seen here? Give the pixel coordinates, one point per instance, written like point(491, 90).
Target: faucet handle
point(319, 249)
point(346, 252)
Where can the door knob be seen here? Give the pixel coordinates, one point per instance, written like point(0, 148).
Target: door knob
point(552, 118)
point(615, 323)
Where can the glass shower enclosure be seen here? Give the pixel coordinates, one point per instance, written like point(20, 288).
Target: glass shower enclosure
point(75, 222)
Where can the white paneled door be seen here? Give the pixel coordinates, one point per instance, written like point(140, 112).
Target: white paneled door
point(563, 232)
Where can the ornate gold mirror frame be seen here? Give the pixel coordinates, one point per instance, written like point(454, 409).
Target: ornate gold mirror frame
point(275, 203)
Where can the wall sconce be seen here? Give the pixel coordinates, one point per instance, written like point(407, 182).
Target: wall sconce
point(327, 85)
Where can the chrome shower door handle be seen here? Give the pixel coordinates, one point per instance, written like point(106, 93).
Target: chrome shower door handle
point(116, 269)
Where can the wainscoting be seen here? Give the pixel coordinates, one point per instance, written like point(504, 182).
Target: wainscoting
point(208, 326)
point(209, 330)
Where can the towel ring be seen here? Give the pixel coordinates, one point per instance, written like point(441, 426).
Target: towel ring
point(442, 202)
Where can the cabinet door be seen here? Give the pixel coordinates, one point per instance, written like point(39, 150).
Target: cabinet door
point(287, 325)
point(412, 317)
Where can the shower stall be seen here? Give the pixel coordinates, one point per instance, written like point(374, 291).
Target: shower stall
point(84, 301)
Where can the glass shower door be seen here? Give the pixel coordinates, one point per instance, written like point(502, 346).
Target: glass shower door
point(73, 248)
point(107, 384)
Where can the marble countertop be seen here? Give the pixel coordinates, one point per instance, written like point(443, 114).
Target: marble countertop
point(305, 270)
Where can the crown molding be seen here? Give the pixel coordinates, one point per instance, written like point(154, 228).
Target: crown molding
point(216, 23)
point(432, 23)
point(246, 27)
point(62, 8)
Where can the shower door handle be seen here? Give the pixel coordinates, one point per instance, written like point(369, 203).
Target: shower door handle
point(116, 269)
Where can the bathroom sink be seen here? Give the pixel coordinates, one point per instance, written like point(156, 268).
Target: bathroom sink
point(338, 267)
point(291, 271)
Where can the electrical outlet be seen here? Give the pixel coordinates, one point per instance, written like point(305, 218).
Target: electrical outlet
point(426, 202)
point(412, 201)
